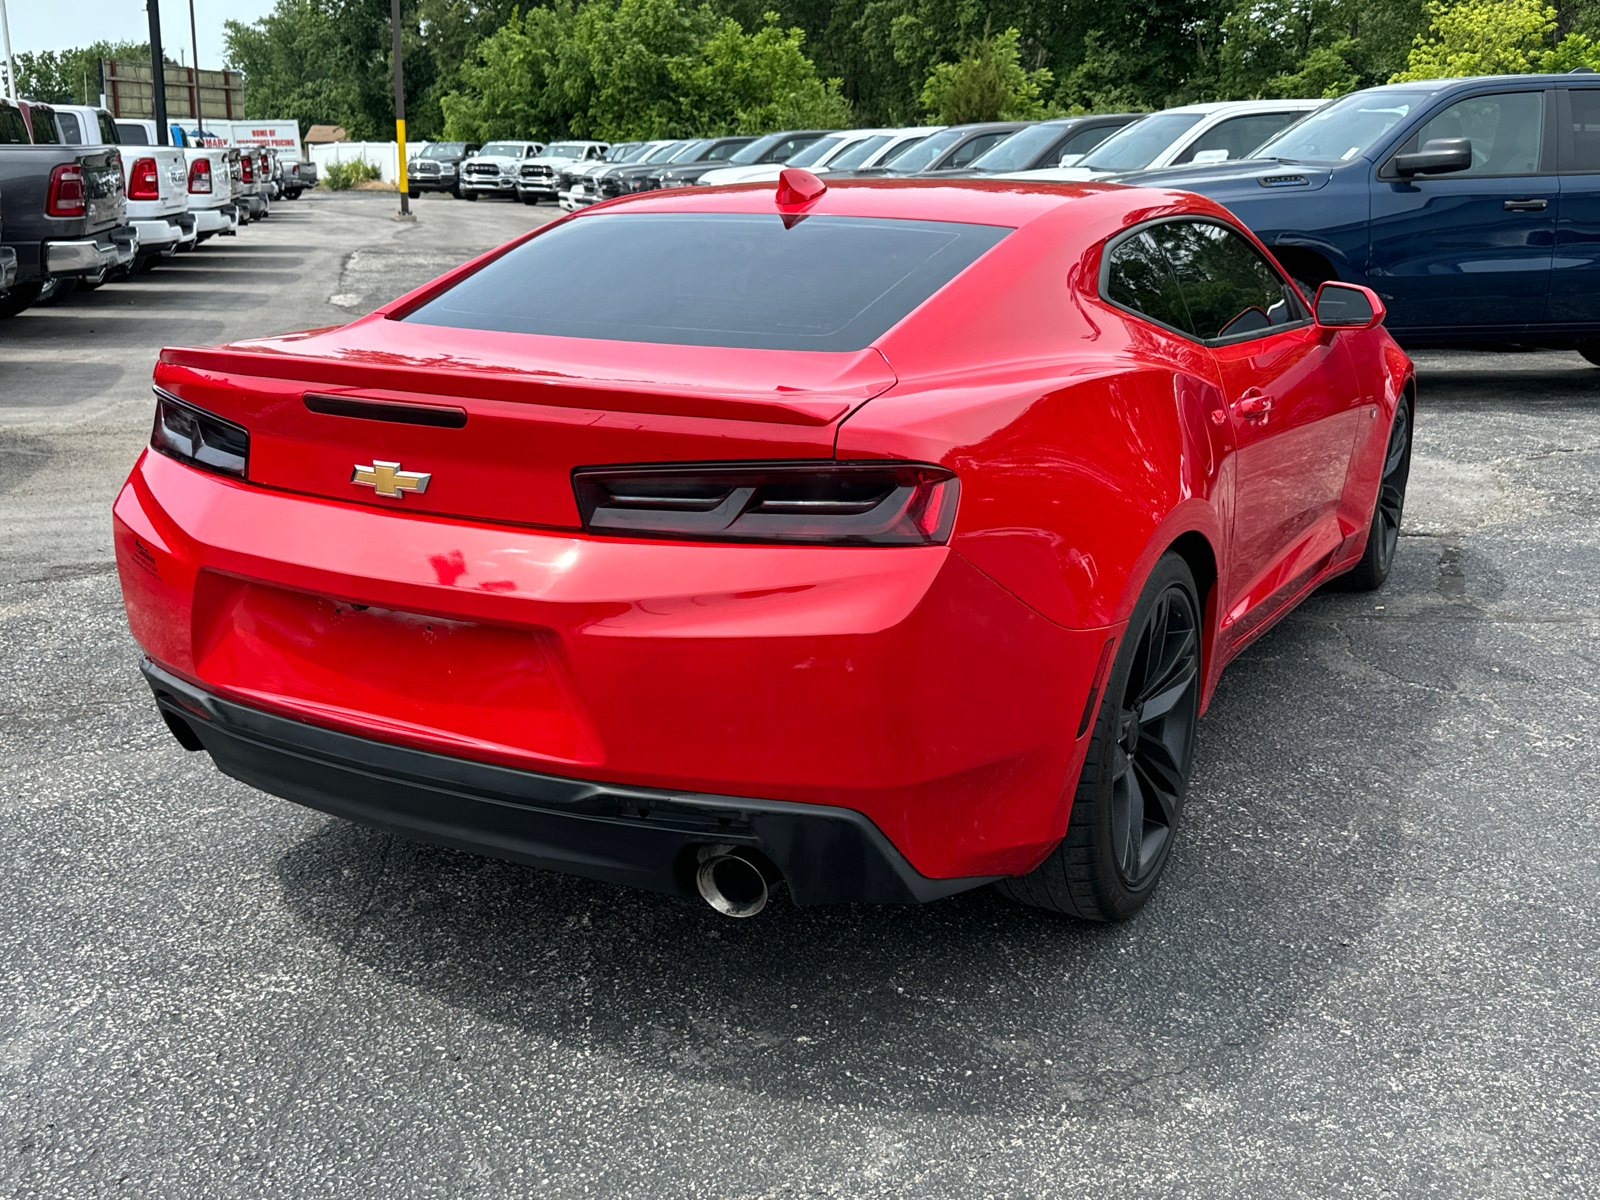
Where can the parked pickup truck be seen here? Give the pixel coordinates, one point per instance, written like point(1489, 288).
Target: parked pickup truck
point(209, 177)
point(64, 209)
point(155, 178)
point(540, 176)
point(1469, 205)
point(493, 170)
point(437, 168)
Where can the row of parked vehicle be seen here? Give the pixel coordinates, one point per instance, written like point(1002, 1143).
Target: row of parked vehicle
point(1471, 206)
point(577, 173)
point(86, 198)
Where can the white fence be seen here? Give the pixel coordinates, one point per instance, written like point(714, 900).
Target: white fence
point(379, 154)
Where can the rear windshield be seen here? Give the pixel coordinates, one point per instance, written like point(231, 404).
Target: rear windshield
point(12, 131)
point(715, 279)
point(132, 135)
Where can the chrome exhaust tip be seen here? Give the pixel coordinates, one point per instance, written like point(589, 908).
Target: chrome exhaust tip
point(731, 881)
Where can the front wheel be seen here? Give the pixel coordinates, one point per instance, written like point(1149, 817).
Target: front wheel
point(1131, 790)
point(469, 195)
point(414, 193)
point(1590, 351)
point(1383, 536)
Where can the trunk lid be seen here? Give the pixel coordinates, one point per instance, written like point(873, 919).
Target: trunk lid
point(499, 421)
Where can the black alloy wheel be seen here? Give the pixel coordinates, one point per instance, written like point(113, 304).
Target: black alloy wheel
point(1135, 775)
point(1383, 537)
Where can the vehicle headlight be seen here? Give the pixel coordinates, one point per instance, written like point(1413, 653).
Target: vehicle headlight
point(201, 439)
point(447, 168)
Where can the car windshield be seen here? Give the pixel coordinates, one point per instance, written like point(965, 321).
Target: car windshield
point(501, 150)
point(754, 151)
point(824, 283)
point(663, 152)
point(692, 152)
point(567, 150)
point(918, 155)
point(814, 153)
point(1019, 150)
point(1346, 129)
point(1140, 144)
point(854, 156)
point(622, 154)
point(445, 150)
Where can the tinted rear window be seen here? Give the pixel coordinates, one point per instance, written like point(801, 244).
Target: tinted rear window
point(12, 131)
point(715, 279)
point(132, 135)
point(44, 127)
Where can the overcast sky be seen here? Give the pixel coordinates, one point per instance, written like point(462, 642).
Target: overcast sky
point(63, 24)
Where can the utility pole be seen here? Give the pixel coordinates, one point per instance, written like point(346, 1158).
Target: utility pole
point(11, 67)
point(399, 108)
point(194, 43)
point(158, 74)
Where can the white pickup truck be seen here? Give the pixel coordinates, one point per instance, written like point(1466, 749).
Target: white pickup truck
point(156, 179)
point(210, 179)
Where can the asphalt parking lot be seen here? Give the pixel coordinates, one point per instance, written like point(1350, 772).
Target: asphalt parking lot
point(1370, 970)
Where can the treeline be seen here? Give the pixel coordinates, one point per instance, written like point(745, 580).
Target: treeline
point(652, 68)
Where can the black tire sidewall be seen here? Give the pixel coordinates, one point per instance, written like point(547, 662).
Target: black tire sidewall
point(1118, 899)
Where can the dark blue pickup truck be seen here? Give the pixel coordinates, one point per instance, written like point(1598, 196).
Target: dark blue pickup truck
point(1472, 206)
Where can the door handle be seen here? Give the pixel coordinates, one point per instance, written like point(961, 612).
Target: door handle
point(1254, 404)
point(1526, 205)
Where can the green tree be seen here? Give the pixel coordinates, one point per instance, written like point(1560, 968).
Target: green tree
point(989, 83)
point(639, 69)
point(1494, 37)
point(71, 76)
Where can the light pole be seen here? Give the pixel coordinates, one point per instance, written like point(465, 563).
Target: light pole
point(194, 42)
point(158, 74)
point(11, 67)
point(399, 108)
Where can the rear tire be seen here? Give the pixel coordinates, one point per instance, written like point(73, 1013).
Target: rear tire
point(1383, 536)
point(1131, 790)
point(18, 299)
point(1590, 351)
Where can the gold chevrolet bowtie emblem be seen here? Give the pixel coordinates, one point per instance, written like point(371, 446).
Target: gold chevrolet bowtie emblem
point(387, 479)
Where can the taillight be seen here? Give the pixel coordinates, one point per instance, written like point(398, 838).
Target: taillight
point(67, 196)
point(247, 169)
point(201, 439)
point(815, 504)
point(144, 181)
point(200, 176)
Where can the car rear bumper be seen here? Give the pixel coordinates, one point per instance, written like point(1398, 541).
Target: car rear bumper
point(638, 837)
point(158, 234)
point(901, 684)
point(92, 256)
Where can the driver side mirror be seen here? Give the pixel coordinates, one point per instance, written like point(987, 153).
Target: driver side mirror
point(1438, 156)
point(1348, 306)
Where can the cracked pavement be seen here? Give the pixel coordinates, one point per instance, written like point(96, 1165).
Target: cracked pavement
point(1370, 971)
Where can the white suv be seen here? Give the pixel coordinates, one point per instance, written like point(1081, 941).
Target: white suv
point(1197, 133)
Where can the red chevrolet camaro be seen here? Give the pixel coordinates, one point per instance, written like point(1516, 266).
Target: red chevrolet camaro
point(886, 539)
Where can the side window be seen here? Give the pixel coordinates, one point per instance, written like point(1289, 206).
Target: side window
point(1138, 277)
point(44, 127)
point(1086, 140)
point(108, 130)
point(71, 128)
point(1585, 130)
point(1506, 130)
point(1229, 289)
point(12, 131)
point(725, 151)
point(1238, 136)
point(967, 153)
